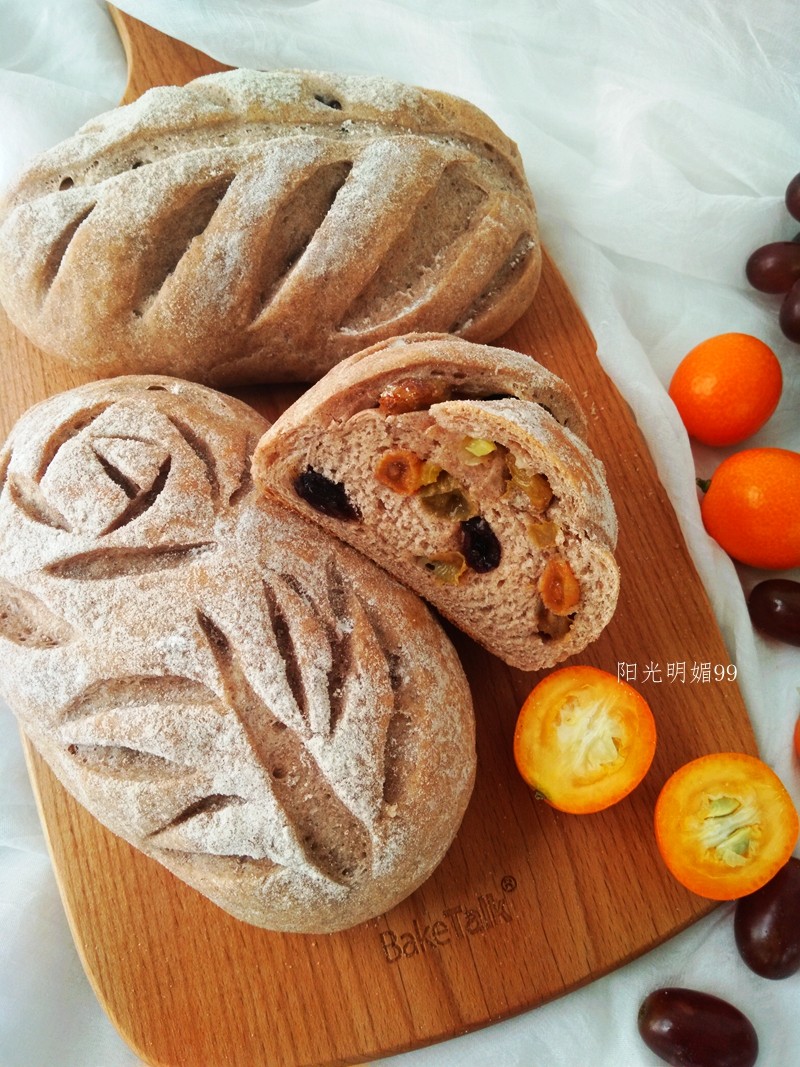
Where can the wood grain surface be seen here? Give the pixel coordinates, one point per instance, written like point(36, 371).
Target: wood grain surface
point(528, 904)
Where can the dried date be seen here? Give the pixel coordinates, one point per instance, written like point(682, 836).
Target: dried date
point(480, 545)
point(325, 495)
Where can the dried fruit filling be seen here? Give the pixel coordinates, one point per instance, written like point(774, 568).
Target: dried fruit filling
point(559, 588)
point(400, 470)
point(446, 568)
point(535, 486)
point(418, 394)
point(441, 495)
point(480, 545)
point(325, 495)
point(447, 499)
point(412, 394)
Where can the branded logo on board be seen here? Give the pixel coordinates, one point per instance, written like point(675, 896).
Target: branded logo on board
point(487, 911)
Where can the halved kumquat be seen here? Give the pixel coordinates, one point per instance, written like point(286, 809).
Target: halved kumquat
point(584, 739)
point(725, 824)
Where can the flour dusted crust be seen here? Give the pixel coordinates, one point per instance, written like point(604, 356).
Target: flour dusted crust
point(260, 226)
point(512, 540)
point(237, 694)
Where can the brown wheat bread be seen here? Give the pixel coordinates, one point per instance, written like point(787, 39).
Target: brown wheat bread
point(259, 226)
point(239, 695)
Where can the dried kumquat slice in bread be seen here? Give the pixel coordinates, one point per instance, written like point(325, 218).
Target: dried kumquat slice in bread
point(584, 739)
point(400, 470)
point(559, 588)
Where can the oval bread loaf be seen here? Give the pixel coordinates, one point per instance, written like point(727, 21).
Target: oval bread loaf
point(461, 469)
point(237, 694)
point(260, 226)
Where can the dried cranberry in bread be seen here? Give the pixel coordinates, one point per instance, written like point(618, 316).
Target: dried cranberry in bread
point(237, 694)
point(259, 226)
point(463, 471)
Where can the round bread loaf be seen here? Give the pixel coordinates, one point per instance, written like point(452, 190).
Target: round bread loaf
point(461, 469)
point(260, 226)
point(222, 684)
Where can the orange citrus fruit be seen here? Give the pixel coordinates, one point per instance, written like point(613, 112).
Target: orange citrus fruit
point(725, 825)
point(584, 739)
point(726, 388)
point(752, 507)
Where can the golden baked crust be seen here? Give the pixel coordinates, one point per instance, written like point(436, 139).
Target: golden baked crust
point(513, 541)
point(235, 693)
point(261, 226)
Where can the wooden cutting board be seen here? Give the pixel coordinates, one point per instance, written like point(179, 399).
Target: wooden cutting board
point(527, 905)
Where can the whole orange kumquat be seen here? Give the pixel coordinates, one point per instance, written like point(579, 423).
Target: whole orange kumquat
point(726, 388)
point(751, 507)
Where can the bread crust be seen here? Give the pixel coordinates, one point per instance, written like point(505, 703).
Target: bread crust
point(420, 524)
point(261, 226)
point(243, 698)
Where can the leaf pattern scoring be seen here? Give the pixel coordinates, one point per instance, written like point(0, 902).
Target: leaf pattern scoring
point(218, 682)
point(25, 620)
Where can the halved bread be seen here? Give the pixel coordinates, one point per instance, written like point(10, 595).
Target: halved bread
point(462, 469)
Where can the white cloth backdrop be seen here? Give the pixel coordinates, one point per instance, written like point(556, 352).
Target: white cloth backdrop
point(659, 139)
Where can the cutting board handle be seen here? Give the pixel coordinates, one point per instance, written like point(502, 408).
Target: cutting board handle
point(156, 59)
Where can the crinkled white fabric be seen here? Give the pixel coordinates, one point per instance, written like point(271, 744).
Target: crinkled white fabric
point(659, 139)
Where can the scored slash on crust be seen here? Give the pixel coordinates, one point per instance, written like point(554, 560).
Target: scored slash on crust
point(332, 838)
point(26, 620)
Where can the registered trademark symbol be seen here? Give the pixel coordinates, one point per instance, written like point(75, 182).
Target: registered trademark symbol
point(508, 883)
